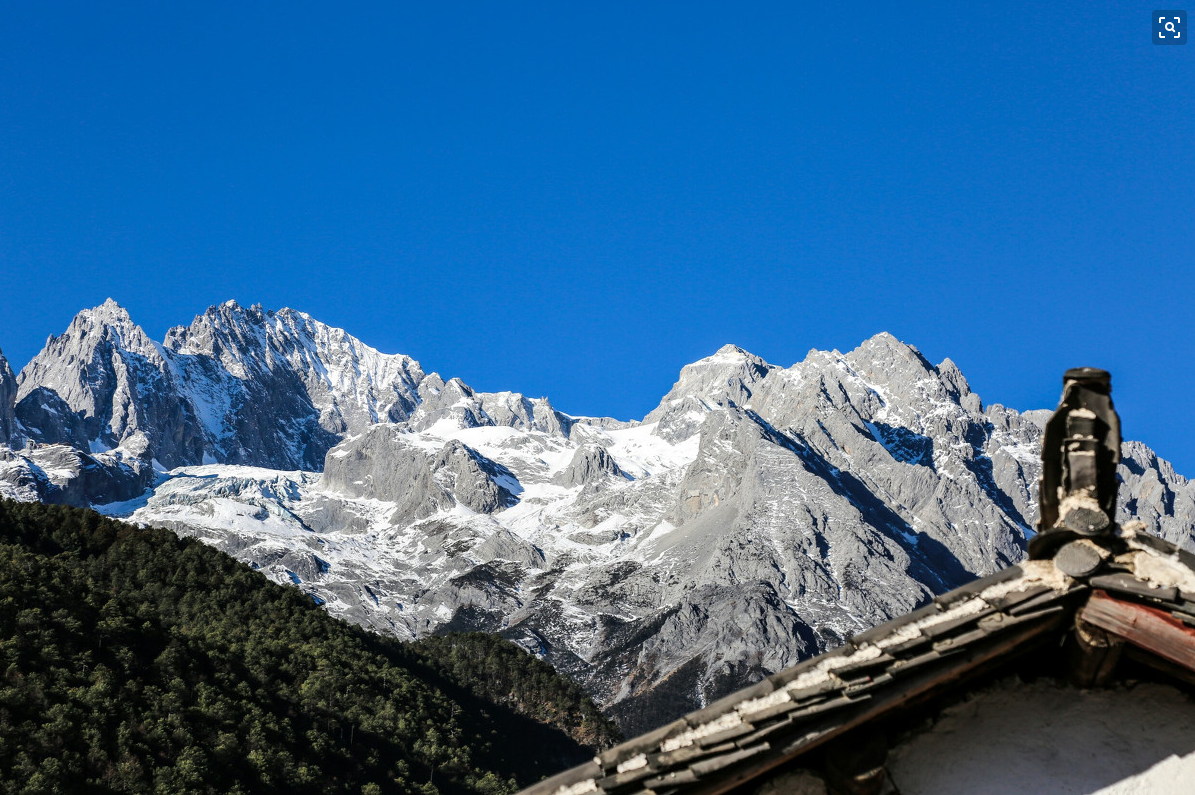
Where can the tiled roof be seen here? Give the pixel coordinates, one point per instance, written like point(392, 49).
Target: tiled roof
point(740, 737)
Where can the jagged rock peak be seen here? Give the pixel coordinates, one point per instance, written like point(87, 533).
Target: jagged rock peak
point(729, 361)
point(285, 387)
point(106, 371)
point(109, 311)
point(731, 355)
point(887, 352)
point(957, 385)
point(230, 330)
point(731, 351)
point(227, 327)
point(886, 362)
point(215, 327)
point(728, 377)
point(107, 322)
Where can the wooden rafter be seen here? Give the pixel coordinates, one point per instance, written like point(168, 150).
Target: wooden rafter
point(1149, 628)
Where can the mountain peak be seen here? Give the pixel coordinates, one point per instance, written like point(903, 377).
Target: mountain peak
point(886, 342)
point(730, 349)
point(953, 377)
point(888, 354)
point(107, 312)
point(106, 370)
point(728, 376)
point(729, 355)
point(230, 309)
point(104, 325)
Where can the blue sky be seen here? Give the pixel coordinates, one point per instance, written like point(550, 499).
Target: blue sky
point(575, 200)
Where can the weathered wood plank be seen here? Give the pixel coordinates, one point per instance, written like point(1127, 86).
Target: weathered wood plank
point(1092, 655)
point(1158, 664)
point(1147, 627)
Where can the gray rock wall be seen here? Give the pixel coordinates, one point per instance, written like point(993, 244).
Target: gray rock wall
point(106, 370)
point(8, 399)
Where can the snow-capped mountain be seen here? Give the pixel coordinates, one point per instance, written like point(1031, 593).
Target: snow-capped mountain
point(278, 389)
point(757, 516)
point(242, 386)
point(104, 384)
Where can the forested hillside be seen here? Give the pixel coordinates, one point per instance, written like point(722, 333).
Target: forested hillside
point(499, 671)
point(135, 661)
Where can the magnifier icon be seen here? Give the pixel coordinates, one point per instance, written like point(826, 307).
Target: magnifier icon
point(1170, 27)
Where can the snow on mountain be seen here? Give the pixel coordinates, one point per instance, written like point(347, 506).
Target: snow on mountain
point(279, 388)
point(239, 386)
point(61, 474)
point(119, 386)
point(757, 516)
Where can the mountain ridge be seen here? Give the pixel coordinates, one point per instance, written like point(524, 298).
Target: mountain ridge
point(757, 515)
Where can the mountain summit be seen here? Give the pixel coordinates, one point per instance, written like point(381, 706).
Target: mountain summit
point(278, 389)
point(244, 386)
point(104, 384)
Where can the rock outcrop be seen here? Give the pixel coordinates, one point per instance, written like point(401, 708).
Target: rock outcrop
point(8, 399)
point(49, 420)
point(591, 464)
point(391, 466)
point(280, 389)
point(62, 475)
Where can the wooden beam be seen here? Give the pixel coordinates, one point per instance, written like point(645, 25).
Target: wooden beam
point(1092, 655)
point(1146, 627)
point(1158, 664)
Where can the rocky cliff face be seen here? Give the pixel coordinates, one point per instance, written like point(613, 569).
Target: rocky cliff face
point(43, 450)
point(278, 389)
point(48, 419)
point(417, 479)
point(105, 369)
point(62, 475)
point(238, 386)
point(8, 399)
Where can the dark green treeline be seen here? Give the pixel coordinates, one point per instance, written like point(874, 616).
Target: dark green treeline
point(135, 661)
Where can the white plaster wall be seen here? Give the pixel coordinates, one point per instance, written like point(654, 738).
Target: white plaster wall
point(1047, 738)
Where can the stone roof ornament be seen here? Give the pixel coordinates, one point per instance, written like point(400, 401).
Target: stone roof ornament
point(1080, 452)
